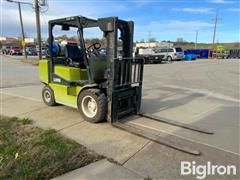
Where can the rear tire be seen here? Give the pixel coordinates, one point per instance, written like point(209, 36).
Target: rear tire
point(48, 96)
point(92, 105)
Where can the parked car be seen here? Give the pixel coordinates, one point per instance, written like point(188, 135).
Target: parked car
point(31, 51)
point(5, 49)
point(15, 51)
point(102, 51)
point(44, 51)
point(170, 54)
point(120, 53)
point(149, 55)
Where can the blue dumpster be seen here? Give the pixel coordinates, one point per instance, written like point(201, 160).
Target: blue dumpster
point(199, 53)
point(190, 57)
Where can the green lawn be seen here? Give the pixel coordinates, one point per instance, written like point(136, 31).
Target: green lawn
point(28, 152)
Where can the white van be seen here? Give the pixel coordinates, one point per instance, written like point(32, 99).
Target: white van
point(170, 53)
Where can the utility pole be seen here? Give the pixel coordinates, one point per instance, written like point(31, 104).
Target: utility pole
point(149, 37)
point(216, 19)
point(196, 39)
point(23, 34)
point(21, 24)
point(37, 12)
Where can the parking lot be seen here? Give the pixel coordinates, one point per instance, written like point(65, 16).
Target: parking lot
point(204, 93)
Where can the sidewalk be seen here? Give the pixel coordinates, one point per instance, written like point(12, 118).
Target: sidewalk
point(102, 138)
point(136, 157)
point(102, 169)
point(30, 59)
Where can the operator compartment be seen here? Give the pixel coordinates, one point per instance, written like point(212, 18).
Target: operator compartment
point(98, 66)
point(69, 64)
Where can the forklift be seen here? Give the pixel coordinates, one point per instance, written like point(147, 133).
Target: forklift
point(100, 85)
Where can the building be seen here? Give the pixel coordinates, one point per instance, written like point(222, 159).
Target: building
point(154, 45)
point(8, 41)
point(4, 39)
point(29, 40)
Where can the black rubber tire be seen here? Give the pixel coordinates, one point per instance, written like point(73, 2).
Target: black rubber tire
point(101, 101)
point(51, 101)
point(169, 59)
point(146, 60)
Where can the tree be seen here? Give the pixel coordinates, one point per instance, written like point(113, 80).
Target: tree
point(142, 41)
point(152, 39)
point(179, 40)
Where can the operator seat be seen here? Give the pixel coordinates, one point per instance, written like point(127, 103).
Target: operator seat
point(74, 56)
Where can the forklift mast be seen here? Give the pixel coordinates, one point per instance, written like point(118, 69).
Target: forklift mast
point(125, 74)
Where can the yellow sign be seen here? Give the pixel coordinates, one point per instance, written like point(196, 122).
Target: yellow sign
point(23, 43)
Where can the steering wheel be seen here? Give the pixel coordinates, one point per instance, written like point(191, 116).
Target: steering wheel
point(93, 49)
point(71, 63)
point(68, 61)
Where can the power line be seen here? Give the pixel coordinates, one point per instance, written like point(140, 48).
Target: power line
point(21, 2)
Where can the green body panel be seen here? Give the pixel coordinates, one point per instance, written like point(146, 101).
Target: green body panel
point(64, 94)
point(68, 95)
point(43, 71)
point(70, 73)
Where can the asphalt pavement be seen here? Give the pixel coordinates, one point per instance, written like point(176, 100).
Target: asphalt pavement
point(204, 93)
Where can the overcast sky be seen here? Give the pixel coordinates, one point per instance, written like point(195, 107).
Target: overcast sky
point(162, 19)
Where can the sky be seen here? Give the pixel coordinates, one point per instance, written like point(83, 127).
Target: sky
point(160, 19)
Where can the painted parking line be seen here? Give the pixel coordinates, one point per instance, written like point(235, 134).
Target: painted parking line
point(182, 137)
point(207, 93)
point(24, 97)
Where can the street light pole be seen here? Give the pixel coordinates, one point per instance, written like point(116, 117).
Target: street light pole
point(22, 29)
point(196, 39)
point(216, 19)
point(37, 12)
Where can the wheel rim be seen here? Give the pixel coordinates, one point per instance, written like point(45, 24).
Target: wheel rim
point(169, 58)
point(47, 96)
point(89, 106)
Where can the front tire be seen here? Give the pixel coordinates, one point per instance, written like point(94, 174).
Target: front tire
point(169, 59)
point(92, 105)
point(48, 96)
